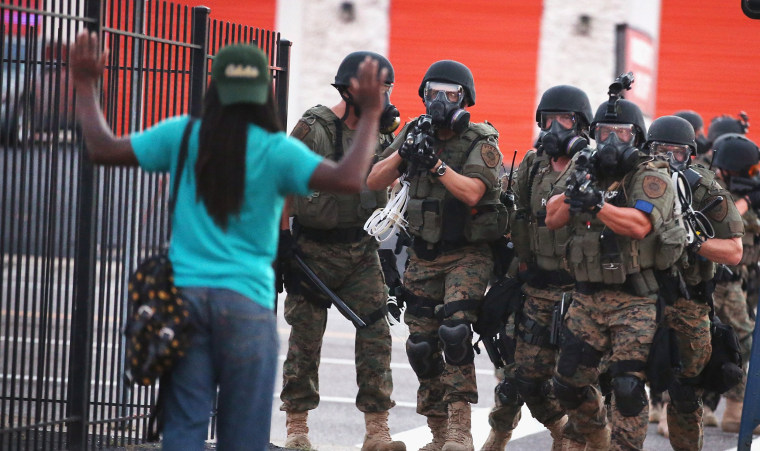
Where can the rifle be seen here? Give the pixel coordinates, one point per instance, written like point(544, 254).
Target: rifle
point(334, 299)
point(583, 175)
point(507, 197)
point(418, 145)
point(558, 318)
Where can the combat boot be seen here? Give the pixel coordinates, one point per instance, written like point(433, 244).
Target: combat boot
point(599, 440)
point(298, 431)
point(708, 418)
point(662, 425)
point(655, 410)
point(496, 440)
point(458, 434)
point(732, 417)
point(378, 437)
point(437, 427)
point(556, 431)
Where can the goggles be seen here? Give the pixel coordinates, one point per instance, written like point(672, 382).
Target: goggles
point(454, 93)
point(624, 132)
point(677, 152)
point(565, 120)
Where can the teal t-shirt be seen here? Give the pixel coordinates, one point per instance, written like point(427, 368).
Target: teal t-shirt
point(239, 258)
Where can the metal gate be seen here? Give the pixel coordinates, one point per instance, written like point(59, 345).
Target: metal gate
point(71, 232)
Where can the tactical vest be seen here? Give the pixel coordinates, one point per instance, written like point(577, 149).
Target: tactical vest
point(547, 246)
point(435, 215)
point(751, 238)
point(596, 254)
point(326, 211)
point(697, 269)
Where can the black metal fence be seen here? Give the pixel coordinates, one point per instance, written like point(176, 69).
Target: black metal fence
point(71, 232)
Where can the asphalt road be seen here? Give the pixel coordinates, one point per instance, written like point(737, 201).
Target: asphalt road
point(338, 425)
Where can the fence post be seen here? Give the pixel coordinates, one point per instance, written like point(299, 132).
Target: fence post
point(198, 65)
point(283, 77)
point(80, 350)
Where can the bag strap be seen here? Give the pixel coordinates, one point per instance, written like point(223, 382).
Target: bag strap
point(180, 163)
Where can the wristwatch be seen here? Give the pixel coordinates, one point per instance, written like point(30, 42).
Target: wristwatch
point(441, 169)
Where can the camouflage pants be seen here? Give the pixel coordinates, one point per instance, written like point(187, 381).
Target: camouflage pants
point(691, 323)
point(616, 322)
point(536, 361)
point(454, 276)
point(731, 307)
point(353, 272)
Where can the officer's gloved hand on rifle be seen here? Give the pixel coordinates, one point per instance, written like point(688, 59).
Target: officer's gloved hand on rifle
point(589, 200)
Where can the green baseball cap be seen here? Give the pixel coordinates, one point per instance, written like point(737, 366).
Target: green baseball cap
point(242, 75)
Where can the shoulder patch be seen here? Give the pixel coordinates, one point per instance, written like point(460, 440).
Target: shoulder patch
point(490, 155)
point(718, 212)
point(300, 130)
point(654, 187)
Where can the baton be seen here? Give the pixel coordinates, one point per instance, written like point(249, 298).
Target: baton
point(337, 302)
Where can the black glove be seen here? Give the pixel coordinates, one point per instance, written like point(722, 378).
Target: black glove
point(427, 159)
point(753, 199)
point(405, 152)
point(285, 248)
point(590, 200)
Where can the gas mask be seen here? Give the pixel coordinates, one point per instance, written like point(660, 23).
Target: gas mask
point(615, 156)
point(443, 102)
point(390, 117)
point(677, 154)
point(559, 141)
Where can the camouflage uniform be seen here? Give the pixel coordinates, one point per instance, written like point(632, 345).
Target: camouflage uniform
point(614, 309)
point(543, 252)
point(328, 230)
point(731, 298)
point(689, 318)
point(450, 263)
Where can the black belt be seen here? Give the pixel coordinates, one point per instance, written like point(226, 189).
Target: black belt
point(332, 236)
point(425, 251)
point(542, 278)
point(590, 288)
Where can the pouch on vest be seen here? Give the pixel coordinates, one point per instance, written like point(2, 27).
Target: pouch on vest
point(424, 218)
point(318, 210)
point(664, 359)
point(613, 269)
point(367, 202)
point(488, 224)
point(670, 246)
point(520, 235)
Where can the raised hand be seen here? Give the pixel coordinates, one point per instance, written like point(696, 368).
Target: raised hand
point(366, 87)
point(86, 61)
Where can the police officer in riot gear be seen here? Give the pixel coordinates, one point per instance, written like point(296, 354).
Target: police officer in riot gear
point(694, 118)
point(452, 166)
point(735, 163)
point(564, 116)
point(715, 238)
point(618, 204)
point(719, 126)
point(327, 229)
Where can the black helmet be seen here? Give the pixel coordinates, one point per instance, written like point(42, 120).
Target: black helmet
point(449, 71)
point(726, 124)
point(565, 98)
point(735, 152)
point(350, 66)
point(627, 112)
point(672, 130)
point(692, 116)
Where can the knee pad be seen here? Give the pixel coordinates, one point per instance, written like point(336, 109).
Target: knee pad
point(423, 355)
point(532, 389)
point(683, 397)
point(630, 397)
point(456, 337)
point(569, 397)
point(508, 393)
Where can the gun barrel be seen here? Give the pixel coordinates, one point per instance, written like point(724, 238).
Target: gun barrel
point(337, 302)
